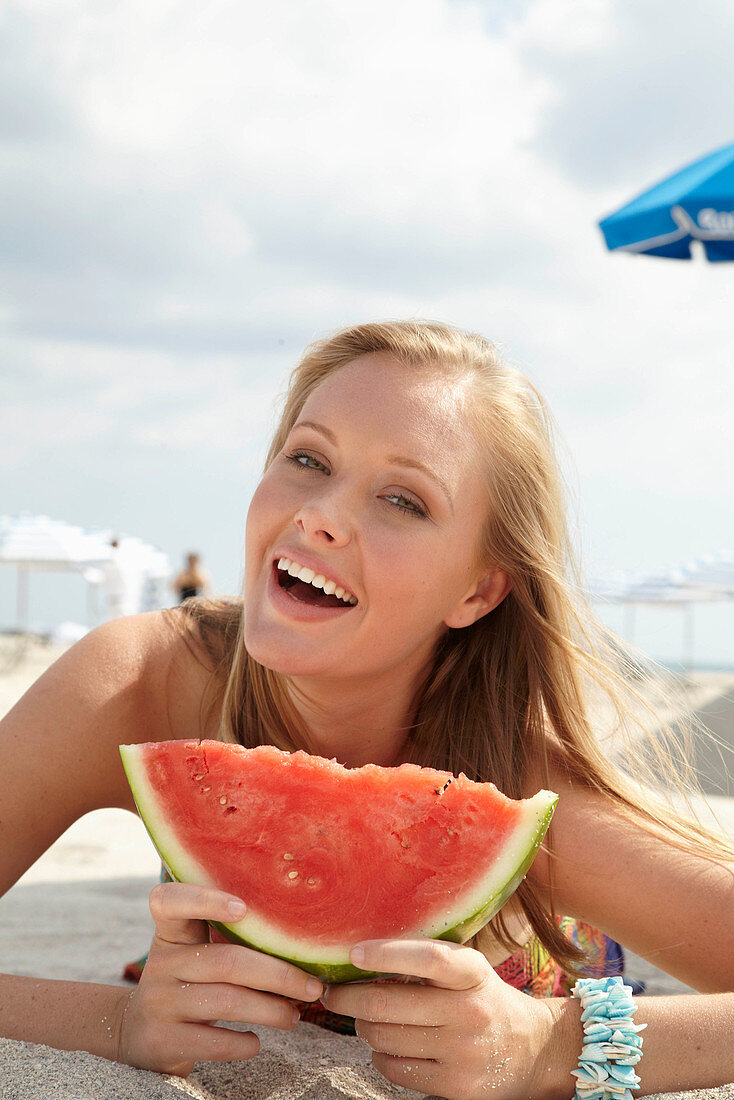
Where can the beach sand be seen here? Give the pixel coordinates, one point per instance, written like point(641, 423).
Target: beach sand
point(81, 912)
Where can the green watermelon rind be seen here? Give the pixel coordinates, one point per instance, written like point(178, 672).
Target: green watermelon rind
point(489, 895)
point(331, 973)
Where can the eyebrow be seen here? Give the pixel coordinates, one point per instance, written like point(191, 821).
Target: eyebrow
point(413, 464)
point(317, 428)
point(394, 460)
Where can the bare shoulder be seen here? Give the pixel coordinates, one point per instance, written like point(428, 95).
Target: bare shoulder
point(134, 679)
point(137, 668)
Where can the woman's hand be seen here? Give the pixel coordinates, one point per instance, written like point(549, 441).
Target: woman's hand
point(188, 984)
point(465, 1034)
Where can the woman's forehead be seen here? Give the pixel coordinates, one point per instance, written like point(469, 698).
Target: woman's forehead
point(378, 388)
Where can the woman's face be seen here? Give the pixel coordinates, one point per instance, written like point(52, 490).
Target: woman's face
point(376, 494)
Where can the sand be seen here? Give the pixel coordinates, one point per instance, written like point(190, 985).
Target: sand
point(308, 1063)
point(81, 911)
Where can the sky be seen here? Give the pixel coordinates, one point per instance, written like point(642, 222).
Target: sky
point(192, 192)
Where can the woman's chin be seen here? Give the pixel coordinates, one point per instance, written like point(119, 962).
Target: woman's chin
point(288, 660)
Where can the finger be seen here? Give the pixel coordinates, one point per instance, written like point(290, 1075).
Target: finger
point(448, 965)
point(175, 1047)
point(218, 1044)
point(180, 910)
point(243, 966)
point(208, 1003)
point(411, 1073)
point(401, 1040)
point(387, 1002)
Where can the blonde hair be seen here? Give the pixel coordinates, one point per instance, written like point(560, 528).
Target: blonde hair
point(509, 692)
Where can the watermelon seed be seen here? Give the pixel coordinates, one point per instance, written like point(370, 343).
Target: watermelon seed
point(223, 800)
point(287, 855)
point(205, 789)
point(440, 790)
point(231, 810)
point(405, 843)
point(311, 881)
point(198, 777)
point(293, 874)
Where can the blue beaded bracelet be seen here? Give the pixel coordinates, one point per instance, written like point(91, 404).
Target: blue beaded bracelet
point(612, 1043)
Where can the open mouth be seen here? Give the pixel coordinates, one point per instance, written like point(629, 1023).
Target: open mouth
point(306, 586)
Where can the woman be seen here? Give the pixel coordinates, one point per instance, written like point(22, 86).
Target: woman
point(192, 580)
point(412, 481)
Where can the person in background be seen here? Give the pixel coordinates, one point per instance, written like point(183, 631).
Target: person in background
point(192, 580)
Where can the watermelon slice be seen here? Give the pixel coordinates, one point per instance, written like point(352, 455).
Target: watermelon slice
point(326, 856)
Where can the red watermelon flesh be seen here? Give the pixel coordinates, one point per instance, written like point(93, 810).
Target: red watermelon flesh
point(325, 856)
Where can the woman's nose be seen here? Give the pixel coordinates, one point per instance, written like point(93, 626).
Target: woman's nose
point(323, 521)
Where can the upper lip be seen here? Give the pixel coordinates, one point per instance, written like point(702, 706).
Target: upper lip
point(304, 558)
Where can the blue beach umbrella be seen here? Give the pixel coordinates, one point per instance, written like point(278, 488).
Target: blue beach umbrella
point(694, 204)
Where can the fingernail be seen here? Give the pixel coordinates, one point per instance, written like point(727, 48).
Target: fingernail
point(313, 988)
point(236, 907)
point(357, 955)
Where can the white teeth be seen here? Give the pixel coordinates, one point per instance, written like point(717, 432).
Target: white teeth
point(318, 580)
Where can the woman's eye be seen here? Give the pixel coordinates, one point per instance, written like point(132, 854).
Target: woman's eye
point(305, 461)
point(405, 504)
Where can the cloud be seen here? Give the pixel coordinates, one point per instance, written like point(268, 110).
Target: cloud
point(214, 157)
point(34, 106)
point(191, 193)
point(638, 93)
point(97, 396)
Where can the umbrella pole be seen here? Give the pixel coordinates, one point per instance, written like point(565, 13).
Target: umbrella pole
point(22, 607)
point(90, 606)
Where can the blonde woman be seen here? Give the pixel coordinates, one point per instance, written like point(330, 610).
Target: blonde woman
point(413, 471)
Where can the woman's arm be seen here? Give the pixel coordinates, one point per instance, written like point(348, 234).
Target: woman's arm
point(686, 1044)
point(672, 908)
point(59, 759)
point(132, 680)
point(66, 1015)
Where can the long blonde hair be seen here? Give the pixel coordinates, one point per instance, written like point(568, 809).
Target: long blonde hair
point(509, 692)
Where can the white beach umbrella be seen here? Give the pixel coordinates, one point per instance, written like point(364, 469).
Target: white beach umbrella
point(144, 571)
point(32, 542)
point(38, 542)
point(708, 579)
